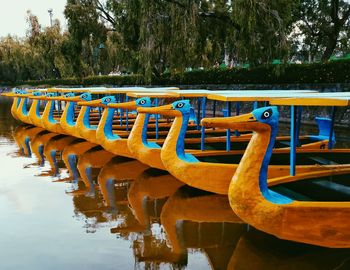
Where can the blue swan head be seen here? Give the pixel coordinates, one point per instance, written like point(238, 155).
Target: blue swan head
point(51, 94)
point(36, 93)
point(108, 99)
point(143, 102)
point(86, 96)
point(69, 95)
point(267, 115)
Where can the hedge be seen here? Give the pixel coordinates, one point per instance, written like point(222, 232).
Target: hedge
point(330, 72)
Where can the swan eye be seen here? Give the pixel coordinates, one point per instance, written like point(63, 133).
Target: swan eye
point(180, 105)
point(266, 114)
point(107, 100)
point(142, 102)
point(84, 96)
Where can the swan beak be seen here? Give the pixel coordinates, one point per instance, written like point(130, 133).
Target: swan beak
point(92, 103)
point(40, 97)
point(131, 105)
point(8, 94)
point(228, 122)
point(74, 99)
point(163, 110)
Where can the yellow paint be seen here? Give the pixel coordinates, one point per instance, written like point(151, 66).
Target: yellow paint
point(314, 101)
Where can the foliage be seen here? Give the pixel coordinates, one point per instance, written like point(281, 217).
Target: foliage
point(330, 72)
point(163, 39)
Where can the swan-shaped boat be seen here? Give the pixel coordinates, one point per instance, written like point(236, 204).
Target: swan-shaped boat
point(67, 119)
point(192, 168)
point(324, 222)
point(16, 101)
point(18, 98)
point(112, 141)
point(85, 129)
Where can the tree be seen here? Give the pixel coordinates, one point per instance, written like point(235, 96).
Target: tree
point(322, 24)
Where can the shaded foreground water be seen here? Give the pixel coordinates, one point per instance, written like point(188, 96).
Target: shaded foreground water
point(55, 214)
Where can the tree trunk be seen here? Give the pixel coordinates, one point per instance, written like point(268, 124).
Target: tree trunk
point(331, 44)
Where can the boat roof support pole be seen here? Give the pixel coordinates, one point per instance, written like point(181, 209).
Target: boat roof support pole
point(214, 108)
point(198, 112)
point(298, 125)
point(292, 140)
point(238, 111)
point(331, 131)
point(156, 100)
point(127, 115)
point(228, 131)
point(204, 105)
point(255, 105)
point(121, 112)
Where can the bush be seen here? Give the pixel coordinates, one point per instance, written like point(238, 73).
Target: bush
point(135, 79)
point(330, 72)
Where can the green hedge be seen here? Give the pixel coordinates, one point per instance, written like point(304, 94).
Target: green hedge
point(330, 72)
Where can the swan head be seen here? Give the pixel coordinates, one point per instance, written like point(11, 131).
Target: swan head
point(69, 95)
point(266, 115)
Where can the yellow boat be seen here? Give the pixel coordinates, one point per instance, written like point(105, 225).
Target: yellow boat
point(318, 218)
point(103, 133)
point(150, 153)
point(191, 168)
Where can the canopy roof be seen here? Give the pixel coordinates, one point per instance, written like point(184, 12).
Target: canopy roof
point(257, 95)
point(321, 99)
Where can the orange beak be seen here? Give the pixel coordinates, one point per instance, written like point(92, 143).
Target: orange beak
point(92, 103)
point(131, 105)
point(234, 122)
point(163, 110)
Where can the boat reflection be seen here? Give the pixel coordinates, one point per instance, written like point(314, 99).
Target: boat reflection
point(257, 250)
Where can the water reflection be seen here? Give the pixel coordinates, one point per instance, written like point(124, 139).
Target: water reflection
point(145, 217)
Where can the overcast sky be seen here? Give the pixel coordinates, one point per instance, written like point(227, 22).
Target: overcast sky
point(13, 14)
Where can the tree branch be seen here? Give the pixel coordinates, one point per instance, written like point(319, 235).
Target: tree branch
point(104, 14)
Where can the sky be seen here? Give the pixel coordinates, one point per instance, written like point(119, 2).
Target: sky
point(13, 14)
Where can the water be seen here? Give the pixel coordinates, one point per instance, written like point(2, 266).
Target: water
point(145, 219)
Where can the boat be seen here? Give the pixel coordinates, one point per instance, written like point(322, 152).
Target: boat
point(195, 170)
point(117, 170)
point(258, 250)
point(16, 101)
point(320, 218)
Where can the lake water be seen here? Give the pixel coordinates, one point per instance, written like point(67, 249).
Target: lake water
point(145, 219)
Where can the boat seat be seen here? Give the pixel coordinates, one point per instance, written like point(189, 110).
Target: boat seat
point(323, 161)
point(332, 186)
point(291, 194)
